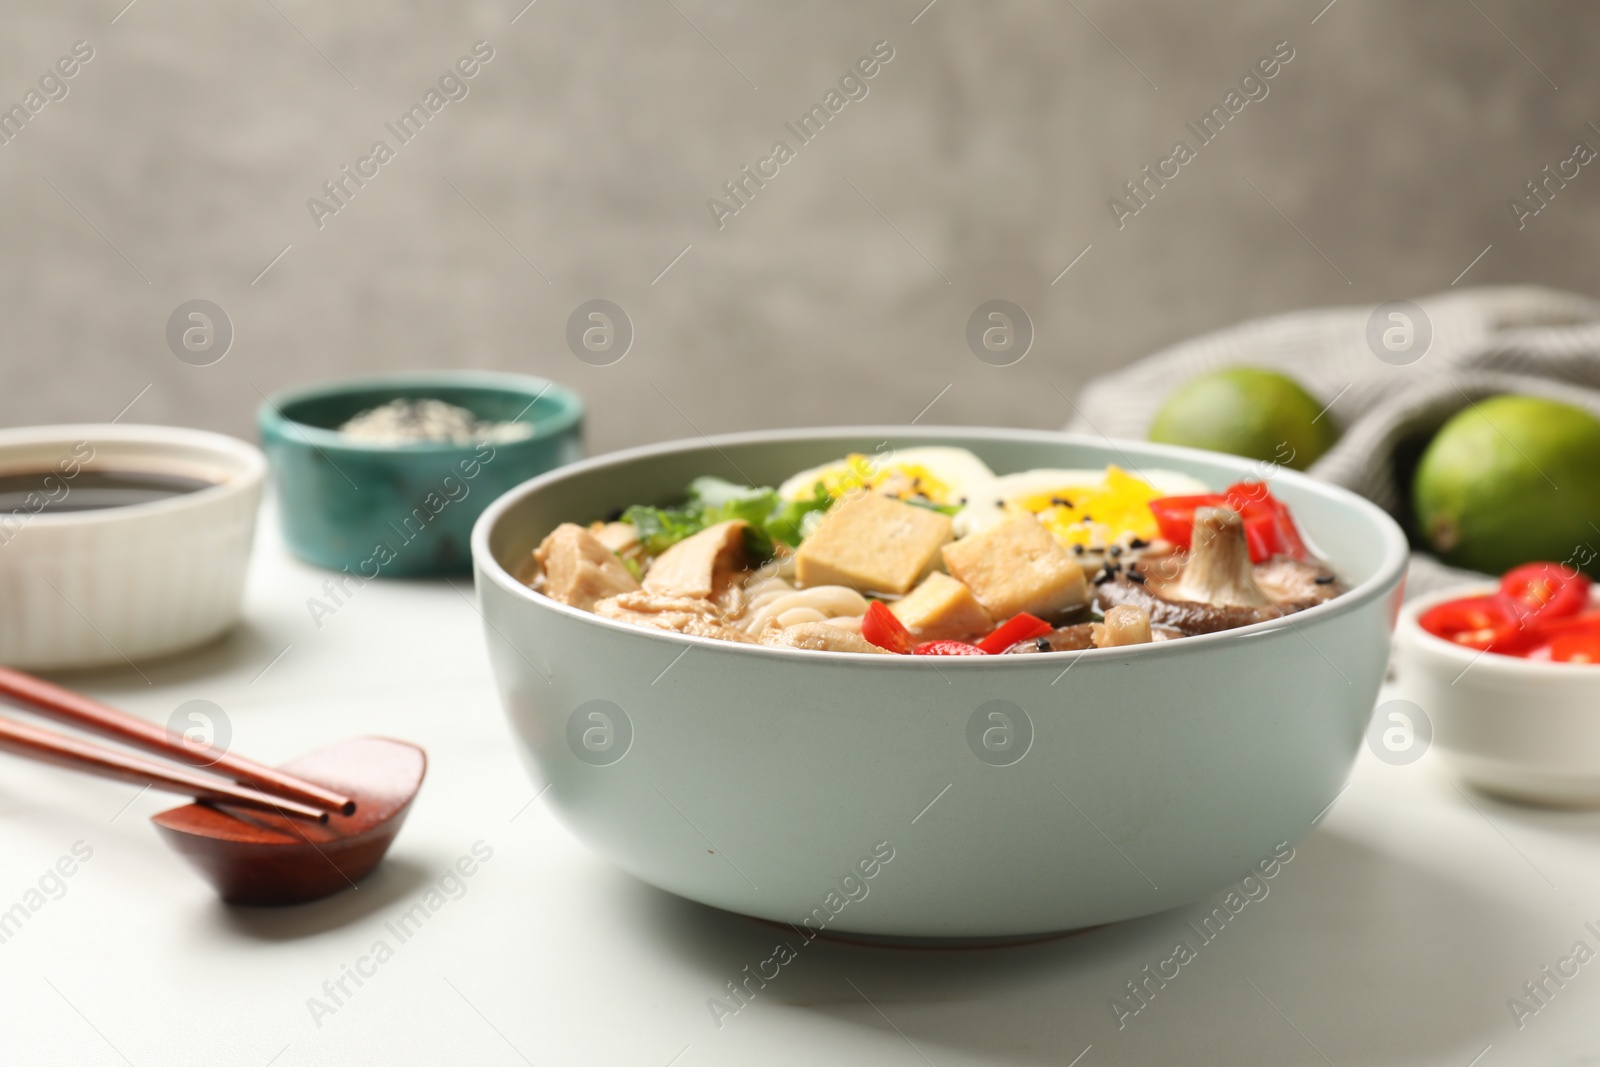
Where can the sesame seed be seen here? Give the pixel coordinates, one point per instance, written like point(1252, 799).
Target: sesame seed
point(1077, 550)
point(1138, 542)
point(1324, 579)
point(1135, 576)
point(1116, 550)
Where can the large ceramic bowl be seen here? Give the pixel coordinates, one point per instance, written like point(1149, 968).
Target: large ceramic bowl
point(377, 509)
point(975, 798)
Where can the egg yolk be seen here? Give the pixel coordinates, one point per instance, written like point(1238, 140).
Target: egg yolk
point(1080, 515)
point(903, 481)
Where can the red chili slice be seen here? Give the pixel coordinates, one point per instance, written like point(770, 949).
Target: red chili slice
point(1174, 515)
point(1269, 529)
point(882, 628)
point(1545, 591)
point(1486, 623)
point(1253, 500)
point(1577, 646)
point(1574, 639)
point(1019, 627)
point(948, 648)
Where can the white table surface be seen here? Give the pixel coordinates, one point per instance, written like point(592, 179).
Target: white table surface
point(1395, 936)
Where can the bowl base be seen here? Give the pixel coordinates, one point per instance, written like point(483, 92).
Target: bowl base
point(938, 944)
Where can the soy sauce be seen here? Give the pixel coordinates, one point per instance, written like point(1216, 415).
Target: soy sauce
point(90, 490)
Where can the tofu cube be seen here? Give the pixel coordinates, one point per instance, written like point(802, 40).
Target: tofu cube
point(1018, 566)
point(872, 544)
point(942, 608)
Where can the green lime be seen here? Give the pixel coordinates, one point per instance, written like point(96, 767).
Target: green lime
point(1245, 411)
point(1511, 480)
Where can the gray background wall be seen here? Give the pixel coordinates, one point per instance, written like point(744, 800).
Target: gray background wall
point(180, 163)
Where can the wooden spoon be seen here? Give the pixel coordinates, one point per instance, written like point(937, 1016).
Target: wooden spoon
point(263, 859)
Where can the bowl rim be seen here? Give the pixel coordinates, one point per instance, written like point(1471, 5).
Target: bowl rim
point(270, 416)
point(248, 457)
point(1389, 574)
point(1408, 629)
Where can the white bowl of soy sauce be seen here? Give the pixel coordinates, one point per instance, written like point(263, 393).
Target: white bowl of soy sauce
point(121, 543)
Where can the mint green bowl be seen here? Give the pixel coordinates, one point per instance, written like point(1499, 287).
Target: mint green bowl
point(405, 510)
point(781, 783)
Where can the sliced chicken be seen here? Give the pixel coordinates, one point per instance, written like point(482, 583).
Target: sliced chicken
point(820, 637)
point(579, 570)
point(620, 537)
point(697, 616)
point(700, 565)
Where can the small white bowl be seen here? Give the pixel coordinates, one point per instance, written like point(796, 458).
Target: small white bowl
point(1523, 729)
point(118, 585)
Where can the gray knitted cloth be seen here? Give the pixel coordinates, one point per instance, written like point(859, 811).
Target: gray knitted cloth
point(1390, 377)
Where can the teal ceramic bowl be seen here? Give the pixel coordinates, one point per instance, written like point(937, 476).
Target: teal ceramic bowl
point(378, 510)
point(903, 796)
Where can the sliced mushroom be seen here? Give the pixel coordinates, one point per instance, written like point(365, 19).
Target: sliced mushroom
point(1125, 624)
point(1214, 586)
point(1218, 570)
point(1212, 589)
point(1296, 584)
point(1186, 616)
point(1080, 636)
point(1073, 638)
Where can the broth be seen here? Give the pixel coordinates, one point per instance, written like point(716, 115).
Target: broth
point(91, 490)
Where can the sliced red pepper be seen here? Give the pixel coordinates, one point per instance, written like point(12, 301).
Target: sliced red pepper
point(1019, 627)
point(1268, 529)
point(1253, 500)
point(947, 648)
point(1174, 515)
point(1573, 639)
point(1486, 623)
point(1544, 591)
point(882, 628)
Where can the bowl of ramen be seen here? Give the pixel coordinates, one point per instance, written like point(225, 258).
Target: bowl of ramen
point(937, 683)
point(383, 476)
point(121, 543)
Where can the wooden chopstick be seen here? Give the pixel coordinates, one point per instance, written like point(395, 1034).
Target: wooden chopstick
point(78, 710)
point(34, 743)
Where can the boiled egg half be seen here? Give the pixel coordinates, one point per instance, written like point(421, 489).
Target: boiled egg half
point(936, 476)
point(1093, 508)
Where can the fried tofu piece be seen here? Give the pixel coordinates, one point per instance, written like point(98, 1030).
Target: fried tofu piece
point(578, 569)
point(942, 608)
point(872, 544)
point(698, 565)
point(1018, 566)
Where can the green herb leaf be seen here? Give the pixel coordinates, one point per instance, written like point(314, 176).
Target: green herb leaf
point(661, 528)
point(714, 500)
point(785, 521)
